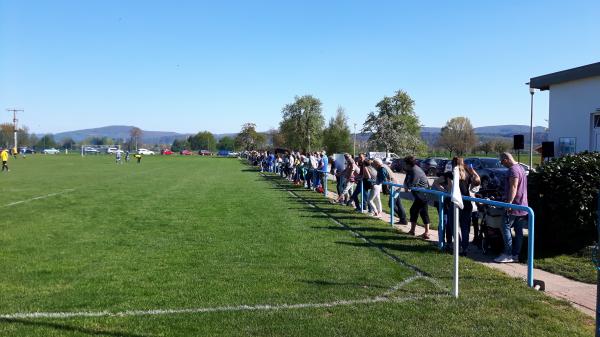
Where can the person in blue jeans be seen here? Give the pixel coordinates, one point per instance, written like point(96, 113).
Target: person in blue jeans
point(515, 193)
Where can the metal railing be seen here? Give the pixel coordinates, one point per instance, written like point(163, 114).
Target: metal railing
point(442, 195)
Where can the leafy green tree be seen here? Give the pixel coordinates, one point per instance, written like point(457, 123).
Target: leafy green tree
point(46, 142)
point(68, 143)
point(458, 136)
point(179, 145)
point(226, 143)
point(395, 126)
point(303, 123)
point(337, 136)
point(202, 141)
point(249, 138)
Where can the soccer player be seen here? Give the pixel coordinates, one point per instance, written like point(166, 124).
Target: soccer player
point(118, 157)
point(4, 157)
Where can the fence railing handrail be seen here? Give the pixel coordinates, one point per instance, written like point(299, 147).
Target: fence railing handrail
point(442, 195)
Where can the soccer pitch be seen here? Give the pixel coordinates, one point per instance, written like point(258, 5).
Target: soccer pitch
point(195, 246)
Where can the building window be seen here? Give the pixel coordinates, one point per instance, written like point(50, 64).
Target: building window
point(596, 121)
point(567, 145)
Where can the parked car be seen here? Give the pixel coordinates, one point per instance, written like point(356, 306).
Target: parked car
point(112, 150)
point(186, 152)
point(430, 165)
point(90, 150)
point(145, 152)
point(166, 152)
point(205, 153)
point(233, 154)
point(223, 153)
point(397, 165)
point(442, 166)
point(491, 172)
point(27, 150)
point(51, 151)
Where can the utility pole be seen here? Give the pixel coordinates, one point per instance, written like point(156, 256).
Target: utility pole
point(14, 111)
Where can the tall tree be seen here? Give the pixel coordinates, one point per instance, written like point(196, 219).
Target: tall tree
point(46, 142)
point(303, 122)
point(6, 134)
point(395, 126)
point(135, 135)
point(225, 143)
point(458, 136)
point(203, 141)
point(68, 143)
point(337, 137)
point(249, 139)
point(179, 145)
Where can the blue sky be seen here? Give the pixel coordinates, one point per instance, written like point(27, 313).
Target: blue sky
point(187, 66)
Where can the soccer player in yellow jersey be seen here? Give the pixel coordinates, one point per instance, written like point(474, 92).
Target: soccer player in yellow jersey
point(4, 157)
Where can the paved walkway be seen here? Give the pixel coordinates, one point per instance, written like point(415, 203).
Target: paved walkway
point(581, 295)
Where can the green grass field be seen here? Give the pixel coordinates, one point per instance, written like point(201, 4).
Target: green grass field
point(192, 246)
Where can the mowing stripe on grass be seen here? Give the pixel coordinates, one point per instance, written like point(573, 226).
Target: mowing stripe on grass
point(420, 273)
point(39, 197)
point(386, 297)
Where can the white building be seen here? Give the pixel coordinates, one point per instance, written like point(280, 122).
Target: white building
point(574, 116)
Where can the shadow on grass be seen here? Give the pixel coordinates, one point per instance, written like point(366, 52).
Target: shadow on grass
point(66, 327)
point(392, 246)
point(336, 284)
point(358, 229)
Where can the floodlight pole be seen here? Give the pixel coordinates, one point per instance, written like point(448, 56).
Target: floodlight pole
point(14, 111)
point(531, 91)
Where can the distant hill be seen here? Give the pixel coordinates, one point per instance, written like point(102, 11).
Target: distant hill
point(429, 134)
point(123, 131)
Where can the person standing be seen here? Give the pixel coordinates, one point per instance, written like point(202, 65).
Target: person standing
point(118, 157)
point(4, 157)
point(415, 177)
point(15, 152)
point(468, 180)
point(515, 192)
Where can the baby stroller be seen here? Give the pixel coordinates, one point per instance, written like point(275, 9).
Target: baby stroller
point(491, 233)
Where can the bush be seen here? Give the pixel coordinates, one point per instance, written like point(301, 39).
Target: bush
point(564, 196)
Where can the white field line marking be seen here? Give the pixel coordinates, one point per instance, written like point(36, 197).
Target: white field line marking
point(386, 297)
point(40, 197)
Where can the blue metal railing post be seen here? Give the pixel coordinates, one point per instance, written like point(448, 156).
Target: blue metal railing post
point(325, 184)
point(530, 236)
point(392, 205)
point(441, 224)
point(362, 196)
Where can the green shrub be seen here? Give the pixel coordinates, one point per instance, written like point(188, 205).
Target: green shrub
point(564, 193)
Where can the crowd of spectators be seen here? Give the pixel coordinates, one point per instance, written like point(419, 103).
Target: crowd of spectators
point(360, 181)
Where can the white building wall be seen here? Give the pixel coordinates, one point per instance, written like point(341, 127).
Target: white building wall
point(571, 105)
